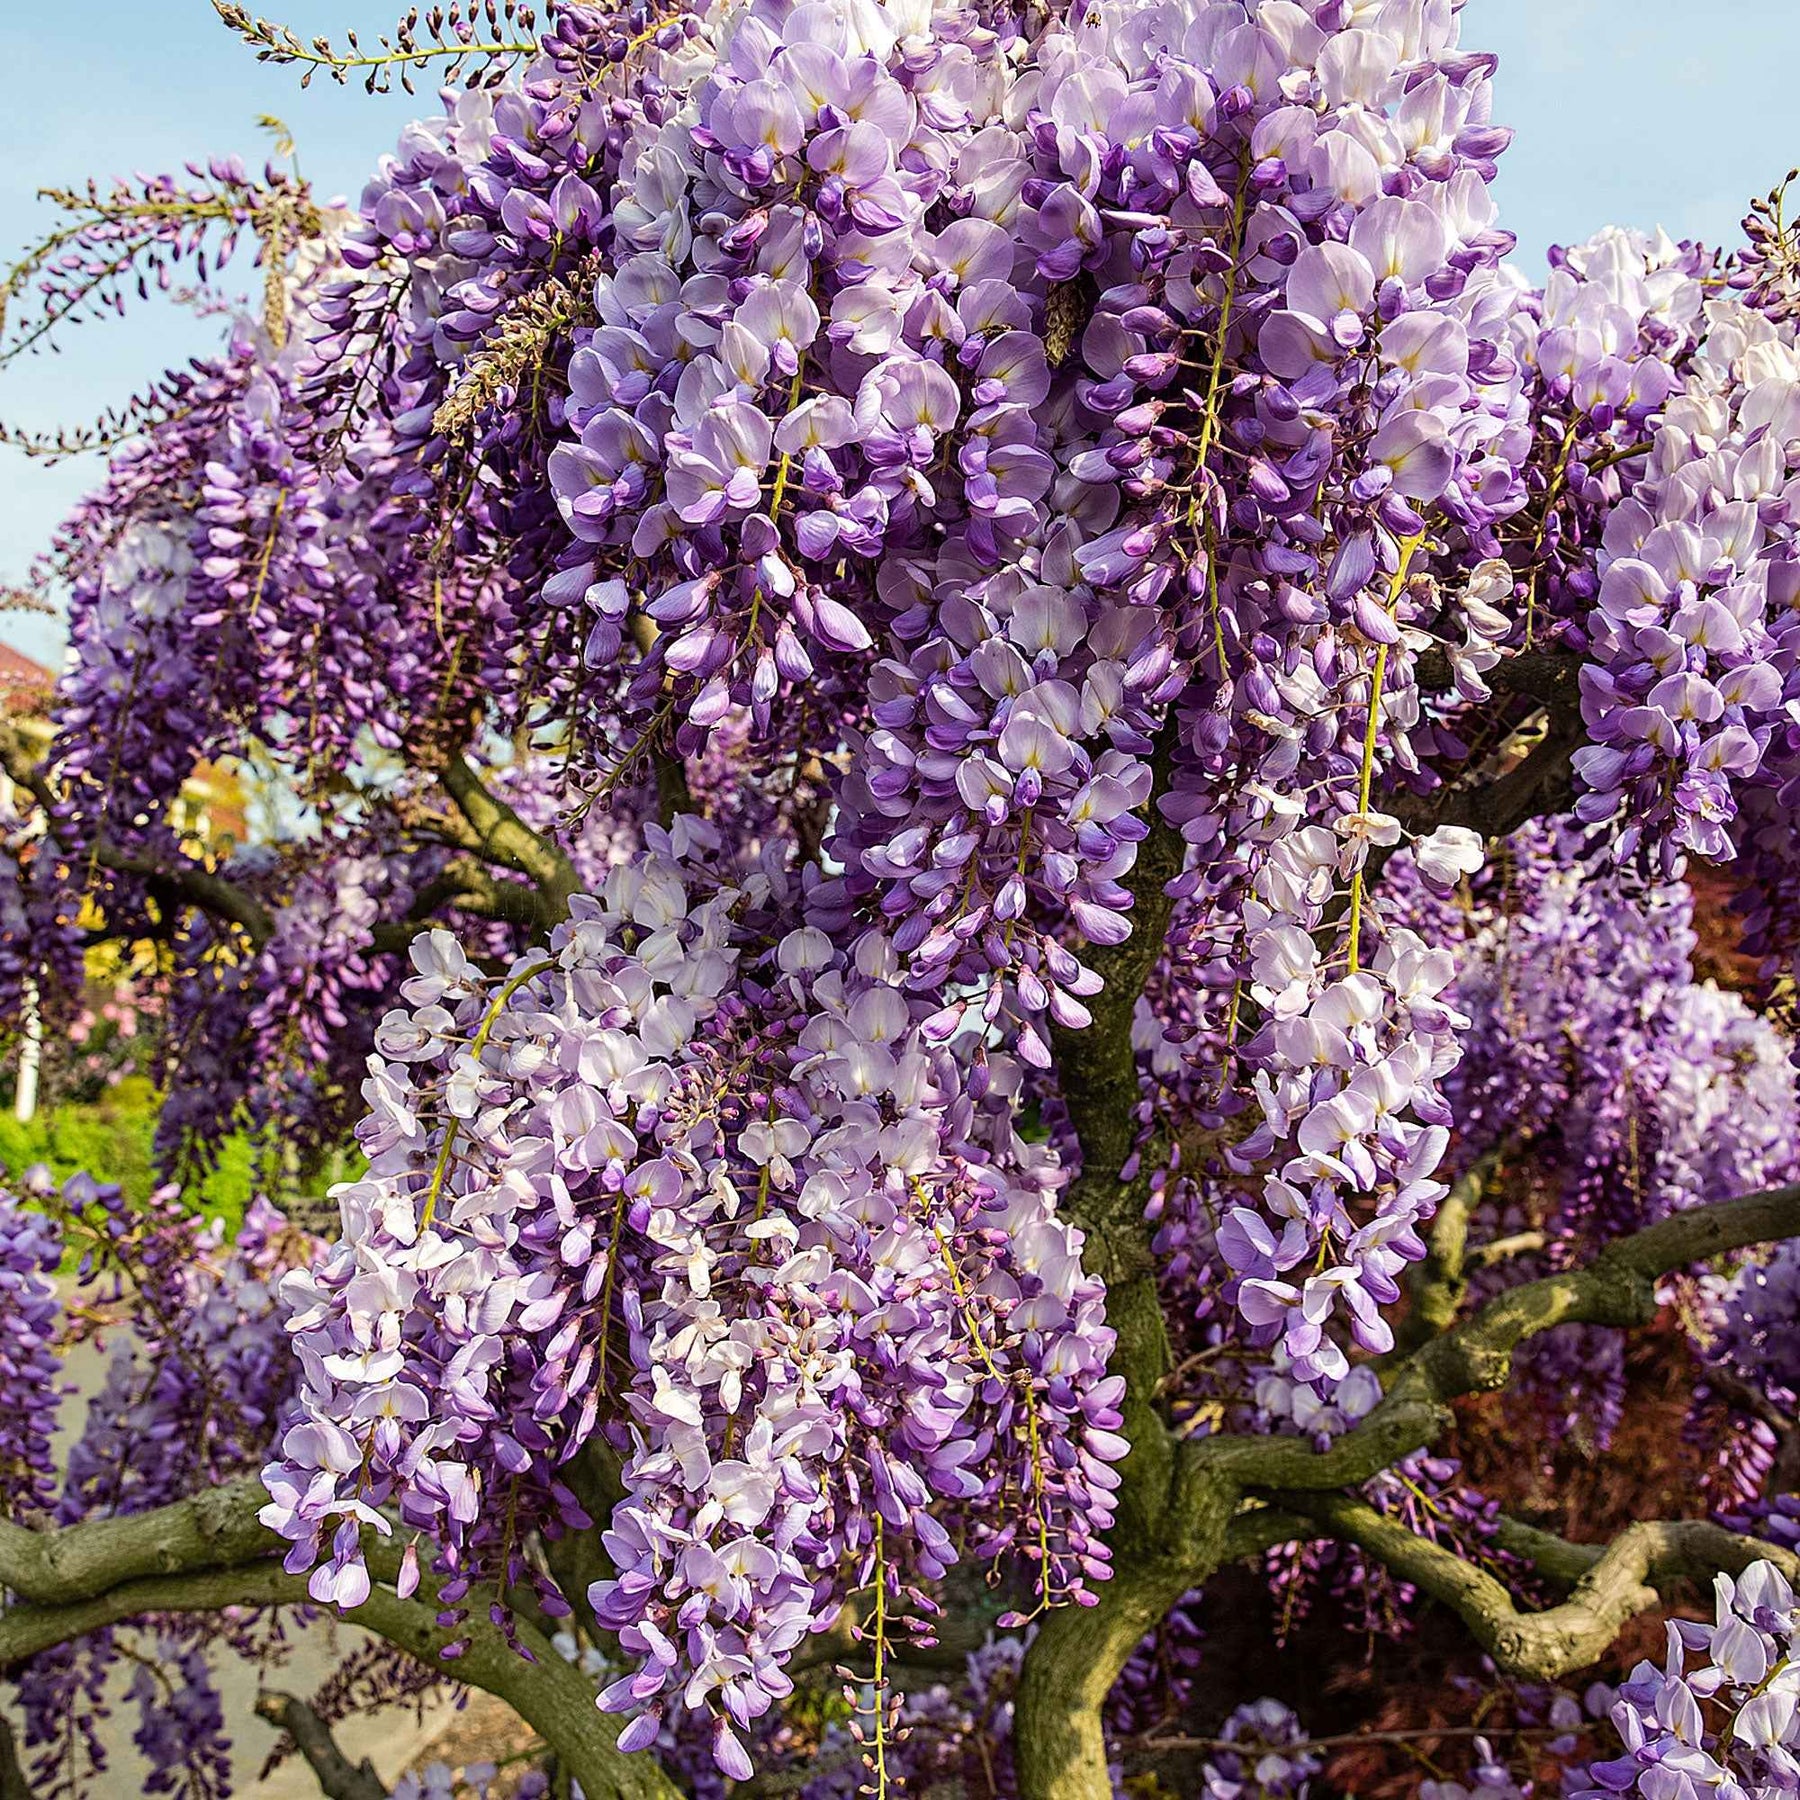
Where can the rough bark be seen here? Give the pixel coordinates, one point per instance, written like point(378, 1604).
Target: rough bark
point(1196, 1504)
point(1617, 1288)
point(1441, 1281)
point(13, 1785)
point(1160, 1548)
point(1058, 1742)
point(1184, 1506)
point(500, 836)
point(212, 1530)
point(1621, 1581)
point(338, 1777)
point(1179, 1502)
point(210, 1552)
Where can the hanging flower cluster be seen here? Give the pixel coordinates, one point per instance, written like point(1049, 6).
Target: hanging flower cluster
point(706, 1193)
point(30, 1368)
point(1697, 579)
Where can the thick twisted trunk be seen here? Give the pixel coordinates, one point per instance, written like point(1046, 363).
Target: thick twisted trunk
point(1168, 1538)
point(1058, 1744)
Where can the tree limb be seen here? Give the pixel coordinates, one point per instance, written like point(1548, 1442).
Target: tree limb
point(1178, 1501)
point(176, 878)
point(1539, 783)
point(1620, 1582)
point(551, 1695)
point(1259, 1528)
point(1550, 676)
point(181, 879)
point(1617, 1288)
point(504, 838)
point(1078, 1652)
point(1503, 1249)
point(211, 1551)
point(1096, 1067)
point(469, 887)
point(215, 1529)
point(673, 795)
point(1542, 783)
point(22, 771)
point(494, 832)
point(339, 1778)
point(1440, 1281)
point(1555, 1558)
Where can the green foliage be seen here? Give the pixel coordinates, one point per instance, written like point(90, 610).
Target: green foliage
point(111, 1139)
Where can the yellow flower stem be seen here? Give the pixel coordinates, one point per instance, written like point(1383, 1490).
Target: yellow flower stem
point(879, 1768)
point(1552, 494)
point(1209, 418)
point(1365, 786)
point(787, 461)
point(476, 1045)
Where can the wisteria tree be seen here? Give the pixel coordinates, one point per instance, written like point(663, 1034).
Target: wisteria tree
point(991, 778)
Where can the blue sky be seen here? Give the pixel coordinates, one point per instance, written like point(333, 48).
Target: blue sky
point(1635, 112)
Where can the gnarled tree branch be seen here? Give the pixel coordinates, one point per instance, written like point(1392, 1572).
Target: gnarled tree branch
point(339, 1778)
point(169, 878)
point(1440, 1281)
point(1617, 1288)
point(210, 1552)
point(216, 1529)
point(502, 837)
point(1549, 676)
point(471, 888)
point(489, 831)
point(1555, 1558)
point(1199, 1490)
point(184, 881)
point(548, 1693)
point(1261, 1527)
point(1179, 1503)
point(1542, 783)
point(1620, 1582)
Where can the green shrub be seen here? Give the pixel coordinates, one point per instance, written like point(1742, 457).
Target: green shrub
point(111, 1139)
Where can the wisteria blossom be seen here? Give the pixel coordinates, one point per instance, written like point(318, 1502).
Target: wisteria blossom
point(1020, 866)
